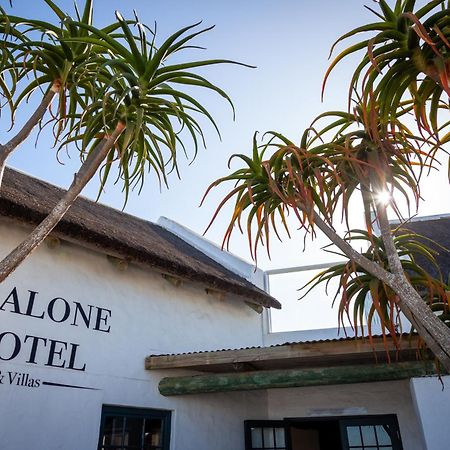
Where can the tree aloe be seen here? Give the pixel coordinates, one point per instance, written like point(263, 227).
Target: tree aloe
point(120, 100)
point(40, 58)
point(371, 149)
point(406, 57)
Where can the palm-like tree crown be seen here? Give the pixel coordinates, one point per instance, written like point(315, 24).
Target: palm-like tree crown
point(43, 57)
point(108, 76)
point(142, 90)
point(407, 55)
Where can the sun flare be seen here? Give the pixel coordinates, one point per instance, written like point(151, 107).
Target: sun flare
point(383, 197)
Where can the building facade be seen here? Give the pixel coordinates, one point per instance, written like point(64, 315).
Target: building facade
point(82, 314)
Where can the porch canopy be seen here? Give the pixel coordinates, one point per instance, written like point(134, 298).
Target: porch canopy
point(299, 364)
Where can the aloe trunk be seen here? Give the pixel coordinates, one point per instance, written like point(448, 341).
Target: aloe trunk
point(432, 330)
point(81, 178)
point(9, 147)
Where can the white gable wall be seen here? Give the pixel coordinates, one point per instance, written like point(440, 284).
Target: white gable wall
point(432, 399)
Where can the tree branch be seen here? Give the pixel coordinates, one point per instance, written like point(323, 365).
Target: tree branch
point(24, 132)
point(386, 236)
point(351, 253)
point(433, 331)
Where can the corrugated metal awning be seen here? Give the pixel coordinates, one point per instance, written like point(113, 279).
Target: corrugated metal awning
point(291, 355)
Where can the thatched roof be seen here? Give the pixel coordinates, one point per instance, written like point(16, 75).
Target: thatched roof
point(115, 233)
point(437, 229)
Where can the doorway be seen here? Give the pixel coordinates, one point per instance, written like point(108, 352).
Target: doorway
point(378, 432)
point(375, 432)
point(314, 435)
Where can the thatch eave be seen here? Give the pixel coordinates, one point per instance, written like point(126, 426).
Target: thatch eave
point(28, 200)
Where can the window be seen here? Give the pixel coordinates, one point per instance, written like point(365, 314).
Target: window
point(134, 429)
point(318, 433)
point(372, 433)
point(265, 435)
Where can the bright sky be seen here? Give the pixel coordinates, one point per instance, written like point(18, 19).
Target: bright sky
point(288, 41)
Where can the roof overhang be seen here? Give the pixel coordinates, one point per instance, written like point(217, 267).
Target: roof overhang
point(130, 239)
point(291, 365)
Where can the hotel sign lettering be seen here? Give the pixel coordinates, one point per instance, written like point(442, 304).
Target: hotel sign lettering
point(32, 349)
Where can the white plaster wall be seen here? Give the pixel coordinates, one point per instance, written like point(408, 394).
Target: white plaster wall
point(432, 401)
point(392, 397)
point(148, 316)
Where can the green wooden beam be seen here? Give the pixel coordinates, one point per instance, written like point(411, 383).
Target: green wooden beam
point(318, 376)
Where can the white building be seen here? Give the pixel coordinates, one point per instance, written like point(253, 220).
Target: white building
point(97, 332)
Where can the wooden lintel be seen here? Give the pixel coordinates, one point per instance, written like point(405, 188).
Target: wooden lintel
point(174, 281)
point(302, 350)
point(258, 308)
point(246, 381)
point(119, 263)
point(215, 293)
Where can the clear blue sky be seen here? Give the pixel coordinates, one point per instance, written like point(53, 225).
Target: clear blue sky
point(288, 41)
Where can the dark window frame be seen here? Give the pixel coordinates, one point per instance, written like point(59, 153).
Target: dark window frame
point(249, 424)
point(373, 420)
point(132, 412)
